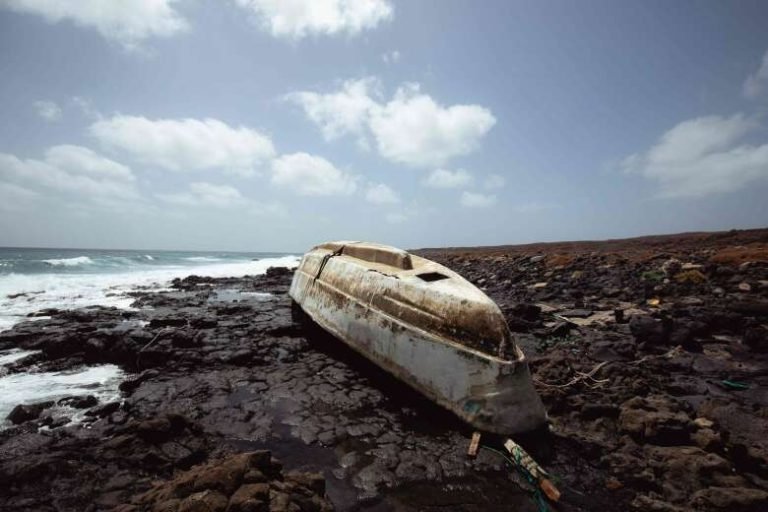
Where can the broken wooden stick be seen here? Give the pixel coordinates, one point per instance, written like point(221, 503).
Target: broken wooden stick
point(474, 444)
point(536, 472)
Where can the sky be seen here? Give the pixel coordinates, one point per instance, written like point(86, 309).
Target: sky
point(274, 125)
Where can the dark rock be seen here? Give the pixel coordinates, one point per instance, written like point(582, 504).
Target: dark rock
point(612, 350)
point(730, 498)
point(527, 312)
point(577, 313)
point(104, 410)
point(131, 384)
point(758, 308)
point(655, 419)
point(276, 272)
point(250, 498)
point(650, 330)
point(591, 411)
point(559, 330)
point(23, 413)
point(79, 402)
point(156, 323)
point(756, 338)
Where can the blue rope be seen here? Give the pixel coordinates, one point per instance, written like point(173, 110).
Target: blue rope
point(516, 464)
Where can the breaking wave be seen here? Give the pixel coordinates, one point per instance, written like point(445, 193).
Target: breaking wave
point(69, 262)
point(21, 294)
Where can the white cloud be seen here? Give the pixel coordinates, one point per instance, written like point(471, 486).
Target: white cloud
point(186, 144)
point(15, 198)
point(48, 110)
point(379, 193)
point(86, 107)
point(296, 19)
point(477, 200)
point(80, 160)
point(392, 57)
point(494, 181)
point(340, 113)
point(206, 194)
point(72, 169)
point(443, 178)
point(411, 128)
point(310, 175)
point(756, 84)
point(703, 156)
point(415, 130)
point(126, 22)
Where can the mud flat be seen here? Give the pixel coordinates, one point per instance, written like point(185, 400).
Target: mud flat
point(651, 356)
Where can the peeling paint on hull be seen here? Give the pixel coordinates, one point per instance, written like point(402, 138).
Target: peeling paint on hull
point(424, 324)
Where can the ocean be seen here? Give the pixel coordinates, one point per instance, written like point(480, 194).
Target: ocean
point(36, 279)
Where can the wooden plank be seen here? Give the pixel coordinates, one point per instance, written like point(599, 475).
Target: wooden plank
point(474, 444)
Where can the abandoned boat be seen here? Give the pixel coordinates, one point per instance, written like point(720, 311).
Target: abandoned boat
point(426, 325)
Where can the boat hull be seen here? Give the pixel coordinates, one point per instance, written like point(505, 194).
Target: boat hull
point(488, 392)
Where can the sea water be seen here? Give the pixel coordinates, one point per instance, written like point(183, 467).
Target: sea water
point(35, 279)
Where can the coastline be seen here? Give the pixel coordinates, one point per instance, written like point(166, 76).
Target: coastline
point(220, 366)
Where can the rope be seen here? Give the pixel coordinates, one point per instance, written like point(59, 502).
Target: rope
point(517, 464)
point(580, 376)
point(327, 257)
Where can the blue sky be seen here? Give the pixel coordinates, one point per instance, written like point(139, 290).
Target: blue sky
point(275, 125)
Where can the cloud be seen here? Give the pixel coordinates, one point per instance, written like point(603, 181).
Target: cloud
point(296, 19)
point(392, 57)
point(379, 193)
point(411, 129)
point(310, 175)
point(86, 107)
point(477, 200)
point(340, 113)
point(48, 110)
point(206, 194)
point(72, 169)
point(80, 160)
point(756, 84)
point(494, 181)
point(186, 144)
point(703, 156)
point(15, 198)
point(127, 23)
point(443, 178)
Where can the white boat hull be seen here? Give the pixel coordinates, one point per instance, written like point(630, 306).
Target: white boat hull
point(488, 392)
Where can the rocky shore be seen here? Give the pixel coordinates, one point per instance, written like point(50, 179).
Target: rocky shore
point(651, 356)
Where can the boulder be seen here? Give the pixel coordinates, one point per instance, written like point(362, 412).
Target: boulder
point(23, 413)
point(655, 419)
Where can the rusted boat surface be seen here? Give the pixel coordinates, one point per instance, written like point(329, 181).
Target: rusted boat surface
point(425, 324)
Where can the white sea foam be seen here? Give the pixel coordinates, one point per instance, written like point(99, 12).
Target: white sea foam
point(28, 388)
point(68, 291)
point(69, 262)
point(202, 258)
point(9, 356)
point(150, 258)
